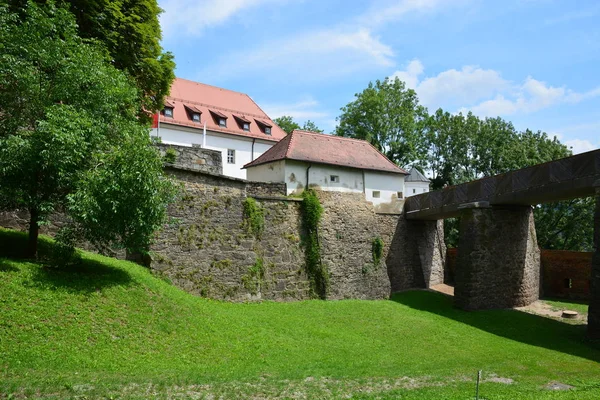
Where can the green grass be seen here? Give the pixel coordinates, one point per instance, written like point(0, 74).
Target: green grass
point(580, 306)
point(109, 329)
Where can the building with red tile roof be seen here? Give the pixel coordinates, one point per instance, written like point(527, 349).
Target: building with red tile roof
point(331, 163)
point(234, 123)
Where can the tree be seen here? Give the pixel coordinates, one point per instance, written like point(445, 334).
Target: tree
point(70, 140)
point(389, 116)
point(286, 123)
point(311, 126)
point(130, 31)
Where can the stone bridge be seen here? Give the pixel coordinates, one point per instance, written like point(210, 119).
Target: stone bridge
point(498, 262)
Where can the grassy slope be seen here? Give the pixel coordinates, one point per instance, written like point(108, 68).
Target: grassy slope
point(111, 323)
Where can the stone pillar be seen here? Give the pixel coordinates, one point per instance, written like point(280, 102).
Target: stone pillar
point(498, 262)
point(594, 309)
point(417, 255)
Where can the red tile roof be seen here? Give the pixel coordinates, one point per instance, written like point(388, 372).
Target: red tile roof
point(206, 99)
point(327, 149)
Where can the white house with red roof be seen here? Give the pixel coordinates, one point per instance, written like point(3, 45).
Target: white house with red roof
point(332, 163)
point(217, 119)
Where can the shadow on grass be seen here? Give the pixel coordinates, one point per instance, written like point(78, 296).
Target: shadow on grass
point(511, 324)
point(7, 266)
point(86, 276)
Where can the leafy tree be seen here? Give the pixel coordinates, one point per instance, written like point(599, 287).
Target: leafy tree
point(70, 140)
point(387, 115)
point(286, 123)
point(130, 31)
point(311, 126)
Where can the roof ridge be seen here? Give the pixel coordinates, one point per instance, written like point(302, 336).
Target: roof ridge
point(273, 148)
point(331, 136)
point(212, 86)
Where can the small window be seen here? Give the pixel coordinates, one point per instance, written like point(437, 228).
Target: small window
point(267, 130)
point(223, 122)
point(376, 194)
point(400, 195)
point(414, 191)
point(196, 117)
point(568, 283)
point(230, 156)
point(168, 112)
point(246, 126)
point(334, 178)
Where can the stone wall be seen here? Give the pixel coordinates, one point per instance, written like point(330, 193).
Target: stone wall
point(207, 249)
point(499, 260)
point(194, 158)
point(417, 255)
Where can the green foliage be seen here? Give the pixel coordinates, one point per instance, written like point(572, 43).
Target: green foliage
point(170, 156)
point(114, 324)
point(288, 125)
point(254, 279)
point(254, 218)
point(130, 33)
point(317, 272)
point(70, 138)
point(388, 115)
point(377, 250)
point(566, 225)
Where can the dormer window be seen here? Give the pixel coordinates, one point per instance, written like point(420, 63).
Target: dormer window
point(243, 122)
point(168, 112)
point(265, 127)
point(193, 112)
point(219, 118)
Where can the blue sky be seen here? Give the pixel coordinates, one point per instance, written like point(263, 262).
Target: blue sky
point(533, 62)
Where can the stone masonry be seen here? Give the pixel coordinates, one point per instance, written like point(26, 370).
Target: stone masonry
point(207, 250)
point(498, 259)
point(417, 256)
point(594, 309)
point(194, 158)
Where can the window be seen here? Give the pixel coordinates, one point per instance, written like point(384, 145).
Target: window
point(424, 190)
point(196, 117)
point(268, 130)
point(568, 283)
point(376, 194)
point(400, 195)
point(230, 156)
point(168, 112)
point(414, 191)
point(334, 178)
point(222, 122)
point(246, 126)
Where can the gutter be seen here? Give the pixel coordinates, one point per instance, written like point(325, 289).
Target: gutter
point(252, 151)
point(307, 169)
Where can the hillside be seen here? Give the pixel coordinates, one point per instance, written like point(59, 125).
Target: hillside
point(109, 329)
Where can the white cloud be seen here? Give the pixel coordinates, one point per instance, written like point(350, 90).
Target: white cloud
point(452, 87)
point(384, 11)
point(580, 145)
point(312, 55)
point(485, 92)
point(301, 111)
point(191, 17)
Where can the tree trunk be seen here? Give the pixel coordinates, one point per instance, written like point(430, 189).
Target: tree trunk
point(34, 230)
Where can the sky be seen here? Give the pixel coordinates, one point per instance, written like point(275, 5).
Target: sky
point(535, 63)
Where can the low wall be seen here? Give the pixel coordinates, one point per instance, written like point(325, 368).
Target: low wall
point(194, 158)
point(564, 274)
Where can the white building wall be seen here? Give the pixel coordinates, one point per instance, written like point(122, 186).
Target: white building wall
point(349, 179)
point(414, 188)
point(271, 172)
point(389, 186)
point(220, 142)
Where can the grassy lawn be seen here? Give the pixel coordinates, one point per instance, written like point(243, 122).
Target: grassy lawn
point(109, 329)
point(564, 304)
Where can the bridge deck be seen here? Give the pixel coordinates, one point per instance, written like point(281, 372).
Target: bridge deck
point(563, 179)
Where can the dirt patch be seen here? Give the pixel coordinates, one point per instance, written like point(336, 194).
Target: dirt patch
point(540, 307)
